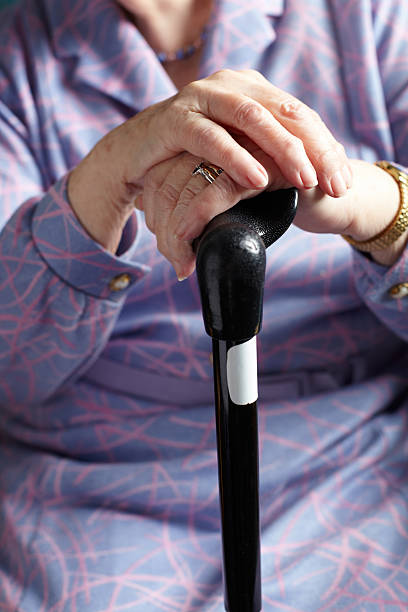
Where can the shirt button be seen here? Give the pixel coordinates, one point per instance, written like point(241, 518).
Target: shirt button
point(120, 282)
point(399, 291)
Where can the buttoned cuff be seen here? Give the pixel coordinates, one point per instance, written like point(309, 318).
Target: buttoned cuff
point(380, 284)
point(75, 257)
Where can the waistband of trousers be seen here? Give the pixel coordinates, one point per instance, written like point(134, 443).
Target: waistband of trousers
point(145, 385)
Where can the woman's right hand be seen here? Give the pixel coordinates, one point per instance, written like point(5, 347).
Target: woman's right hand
point(202, 119)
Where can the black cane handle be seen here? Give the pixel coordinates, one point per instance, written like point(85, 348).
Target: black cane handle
point(231, 262)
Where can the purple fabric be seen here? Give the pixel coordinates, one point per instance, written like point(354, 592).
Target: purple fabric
point(273, 387)
point(108, 487)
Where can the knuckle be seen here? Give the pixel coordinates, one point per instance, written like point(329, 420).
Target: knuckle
point(191, 89)
point(188, 194)
point(180, 211)
point(180, 115)
point(225, 156)
point(293, 145)
point(292, 108)
point(168, 194)
point(179, 110)
point(341, 151)
point(185, 103)
point(248, 112)
point(326, 157)
point(203, 136)
point(252, 73)
point(226, 187)
point(224, 73)
point(151, 181)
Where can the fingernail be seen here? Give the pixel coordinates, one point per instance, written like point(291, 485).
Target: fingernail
point(338, 184)
point(347, 175)
point(258, 177)
point(308, 176)
point(179, 273)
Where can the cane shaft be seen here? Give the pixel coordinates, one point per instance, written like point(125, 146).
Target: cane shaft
point(231, 273)
point(238, 474)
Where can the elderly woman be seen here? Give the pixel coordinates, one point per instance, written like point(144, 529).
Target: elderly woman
point(108, 491)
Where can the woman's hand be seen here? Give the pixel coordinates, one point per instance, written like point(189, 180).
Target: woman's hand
point(204, 119)
point(178, 206)
point(172, 198)
point(365, 211)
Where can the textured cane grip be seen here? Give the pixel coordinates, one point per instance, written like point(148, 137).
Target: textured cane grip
point(231, 262)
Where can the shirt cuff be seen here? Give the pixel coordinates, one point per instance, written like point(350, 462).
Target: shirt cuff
point(377, 283)
point(75, 257)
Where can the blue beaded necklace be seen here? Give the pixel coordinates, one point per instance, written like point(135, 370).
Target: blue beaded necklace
point(184, 52)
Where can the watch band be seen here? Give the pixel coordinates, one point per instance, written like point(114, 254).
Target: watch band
point(400, 222)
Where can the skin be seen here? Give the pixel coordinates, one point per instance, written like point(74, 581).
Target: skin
point(168, 25)
point(261, 136)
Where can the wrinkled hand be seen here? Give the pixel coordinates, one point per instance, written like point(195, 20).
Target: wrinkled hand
point(206, 119)
point(204, 116)
point(178, 205)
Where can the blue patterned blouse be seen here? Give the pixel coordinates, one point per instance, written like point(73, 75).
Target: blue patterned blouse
point(108, 482)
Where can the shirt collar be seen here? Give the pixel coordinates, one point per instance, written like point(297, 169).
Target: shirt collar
point(239, 33)
point(108, 53)
point(105, 51)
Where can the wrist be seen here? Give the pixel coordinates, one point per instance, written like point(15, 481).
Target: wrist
point(98, 201)
point(376, 202)
point(383, 231)
point(388, 256)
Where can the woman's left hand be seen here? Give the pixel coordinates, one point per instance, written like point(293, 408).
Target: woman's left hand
point(171, 193)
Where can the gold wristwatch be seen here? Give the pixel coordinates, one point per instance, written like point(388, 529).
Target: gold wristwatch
point(400, 222)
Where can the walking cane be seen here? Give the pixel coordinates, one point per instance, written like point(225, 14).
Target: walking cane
point(231, 273)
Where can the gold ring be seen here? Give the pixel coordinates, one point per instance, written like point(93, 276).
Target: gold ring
point(208, 171)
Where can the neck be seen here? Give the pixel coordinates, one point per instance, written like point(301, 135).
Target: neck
point(169, 25)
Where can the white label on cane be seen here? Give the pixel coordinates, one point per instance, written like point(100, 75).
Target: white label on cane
point(242, 376)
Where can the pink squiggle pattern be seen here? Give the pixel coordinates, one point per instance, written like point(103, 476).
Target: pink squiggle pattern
point(111, 502)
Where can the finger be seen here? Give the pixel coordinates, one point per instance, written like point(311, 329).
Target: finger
point(177, 181)
point(162, 187)
point(179, 184)
point(153, 180)
point(325, 152)
point(191, 215)
point(275, 178)
point(203, 138)
point(288, 152)
point(327, 155)
point(291, 147)
point(138, 202)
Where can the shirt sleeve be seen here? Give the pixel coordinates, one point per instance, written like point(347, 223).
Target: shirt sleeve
point(60, 291)
point(378, 285)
